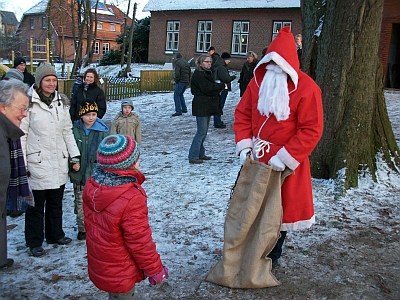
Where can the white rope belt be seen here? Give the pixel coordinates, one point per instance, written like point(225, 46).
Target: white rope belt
point(261, 147)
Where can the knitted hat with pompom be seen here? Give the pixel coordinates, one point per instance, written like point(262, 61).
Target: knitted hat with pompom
point(118, 152)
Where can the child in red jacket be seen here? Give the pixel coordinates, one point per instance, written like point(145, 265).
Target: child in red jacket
point(120, 248)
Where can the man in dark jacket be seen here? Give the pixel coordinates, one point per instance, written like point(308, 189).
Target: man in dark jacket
point(181, 81)
point(221, 74)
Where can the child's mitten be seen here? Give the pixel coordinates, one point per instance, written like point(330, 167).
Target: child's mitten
point(159, 277)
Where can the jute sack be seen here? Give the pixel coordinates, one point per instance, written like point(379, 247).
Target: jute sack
point(252, 228)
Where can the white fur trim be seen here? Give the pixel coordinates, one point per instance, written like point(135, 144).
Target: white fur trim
point(280, 61)
point(287, 159)
point(304, 224)
point(243, 144)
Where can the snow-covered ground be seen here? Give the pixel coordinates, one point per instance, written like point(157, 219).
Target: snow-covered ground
point(187, 205)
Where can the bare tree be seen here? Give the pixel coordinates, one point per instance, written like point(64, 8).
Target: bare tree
point(129, 59)
point(340, 50)
point(124, 35)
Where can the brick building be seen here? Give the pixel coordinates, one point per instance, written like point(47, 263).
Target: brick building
point(237, 26)
point(34, 24)
point(389, 47)
point(8, 25)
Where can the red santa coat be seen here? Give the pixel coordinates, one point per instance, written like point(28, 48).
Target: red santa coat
point(120, 248)
point(293, 139)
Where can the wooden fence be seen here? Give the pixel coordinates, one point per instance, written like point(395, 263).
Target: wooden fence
point(150, 81)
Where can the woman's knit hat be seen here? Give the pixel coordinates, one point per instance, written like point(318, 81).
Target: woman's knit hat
point(118, 152)
point(45, 69)
point(88, 106)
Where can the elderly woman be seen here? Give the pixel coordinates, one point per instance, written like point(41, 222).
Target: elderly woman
point(13, 108)
point(48, 144)
point(205, 104)
point(88, 91)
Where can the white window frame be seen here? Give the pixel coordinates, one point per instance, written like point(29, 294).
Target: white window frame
point(172, 40)
point(106, 47)
point(100, 25)
point(44, 22)
point(96, 48)
point(32, 23)
point(240, 37)
point(37, 45)
point(204, 35)
point(278, 25)
point(113, 27)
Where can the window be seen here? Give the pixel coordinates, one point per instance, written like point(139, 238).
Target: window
point(172, 35)
point(99, 25)
point(44, 22)
point(112, 27)
point(96, 48)
point(106, 47)
point(32, 23)
point(37, 47)
point(204, 33)
point(240, 37)
point(278, 25)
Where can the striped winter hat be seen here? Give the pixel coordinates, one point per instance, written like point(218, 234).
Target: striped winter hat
point(118, 152)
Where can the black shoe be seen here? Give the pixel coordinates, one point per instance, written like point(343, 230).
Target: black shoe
point(195, 161)
point(63, 241)
point(8, 264)
point(14, 214)
point(37, 251)
point(176, 114)
point(81, 235)
point(205, 157)
point(184, 111)
point(221, 125)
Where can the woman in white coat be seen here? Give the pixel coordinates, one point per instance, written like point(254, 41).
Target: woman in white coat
point(48, 144)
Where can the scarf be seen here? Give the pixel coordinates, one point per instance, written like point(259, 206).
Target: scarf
point(19, 193)
point(45, 99)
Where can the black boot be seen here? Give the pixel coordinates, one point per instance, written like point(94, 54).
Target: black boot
point(276, 253)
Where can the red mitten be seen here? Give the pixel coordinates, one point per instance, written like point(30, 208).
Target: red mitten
point(159, 277)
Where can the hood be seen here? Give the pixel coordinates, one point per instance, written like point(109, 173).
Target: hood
point(100, 195)
point(282, 51)
point(99, 125)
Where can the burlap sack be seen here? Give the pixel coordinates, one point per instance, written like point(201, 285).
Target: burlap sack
point(252, 228)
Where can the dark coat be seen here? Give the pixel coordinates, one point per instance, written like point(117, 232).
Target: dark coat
point(94, 93)
point(87, 145)
point(182, 71)
point(28, 78)
point(221, 73)
point(8, 131)
point(206, 94)
point(246, 75)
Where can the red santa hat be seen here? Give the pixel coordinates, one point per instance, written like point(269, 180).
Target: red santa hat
point(282, 51)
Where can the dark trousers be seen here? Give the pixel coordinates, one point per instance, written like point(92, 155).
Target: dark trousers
point(48, 204)
point(222, 100)
point(276, 253)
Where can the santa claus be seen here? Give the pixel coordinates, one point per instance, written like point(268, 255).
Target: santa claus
point(279, 121)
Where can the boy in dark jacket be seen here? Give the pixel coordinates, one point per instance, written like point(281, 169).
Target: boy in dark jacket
point(120, 248)
point(89, 131)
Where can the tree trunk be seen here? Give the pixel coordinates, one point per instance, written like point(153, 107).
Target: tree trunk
point(124, 35)
point(345, 64)
point(129, 58)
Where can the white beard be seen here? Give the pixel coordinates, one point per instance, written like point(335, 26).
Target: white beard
point(273, 96)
